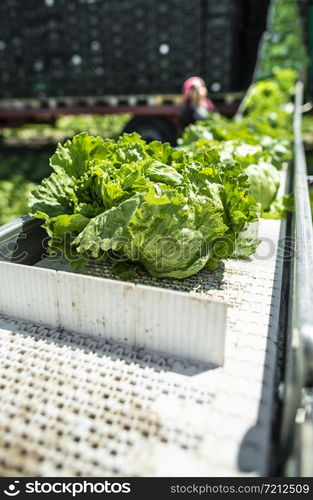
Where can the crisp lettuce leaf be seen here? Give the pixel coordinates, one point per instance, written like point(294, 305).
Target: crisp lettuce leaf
point(73, 158)
point(147, 204)
point(58, 226)
point(54, 196)
point(259, 138)
point(280, 207)
point(264, 182)
point(165, 234)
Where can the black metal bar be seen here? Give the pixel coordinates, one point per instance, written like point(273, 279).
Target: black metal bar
point(23, 241)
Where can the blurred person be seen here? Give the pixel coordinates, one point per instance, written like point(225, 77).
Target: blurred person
point(196, 104)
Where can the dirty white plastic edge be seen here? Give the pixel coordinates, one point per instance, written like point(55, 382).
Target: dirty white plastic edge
point(27, 293)
point(175, 323)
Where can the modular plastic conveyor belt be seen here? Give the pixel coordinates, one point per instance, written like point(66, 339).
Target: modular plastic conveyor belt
point(73, 405)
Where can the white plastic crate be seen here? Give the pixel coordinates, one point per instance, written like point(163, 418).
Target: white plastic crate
point(164, 320)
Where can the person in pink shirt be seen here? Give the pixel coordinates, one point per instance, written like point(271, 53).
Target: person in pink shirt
point(196, 104)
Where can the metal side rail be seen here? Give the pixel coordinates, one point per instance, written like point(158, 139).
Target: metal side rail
point(299, 350)
point(303, 268)
point(23, 241)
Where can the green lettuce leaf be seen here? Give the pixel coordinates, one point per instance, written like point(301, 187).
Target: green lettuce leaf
point(147, 204)
point(264, 183)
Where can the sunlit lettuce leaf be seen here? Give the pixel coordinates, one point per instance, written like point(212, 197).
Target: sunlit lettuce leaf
point(149, 204)
point(264, 183)
point(54, 196)
point(168, 236)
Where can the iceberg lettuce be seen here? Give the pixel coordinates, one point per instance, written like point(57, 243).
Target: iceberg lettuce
point(148, 204)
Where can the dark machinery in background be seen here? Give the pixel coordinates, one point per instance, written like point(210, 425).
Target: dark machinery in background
point(106, 56)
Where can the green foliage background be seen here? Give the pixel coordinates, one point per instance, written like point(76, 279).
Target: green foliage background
point(282, 44)
point(25, 153)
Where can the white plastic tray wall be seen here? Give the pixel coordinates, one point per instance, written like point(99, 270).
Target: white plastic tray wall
point(162, 320)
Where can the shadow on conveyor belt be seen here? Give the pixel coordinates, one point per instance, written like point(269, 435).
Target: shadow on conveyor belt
point(112, 349)
point(258, 452)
